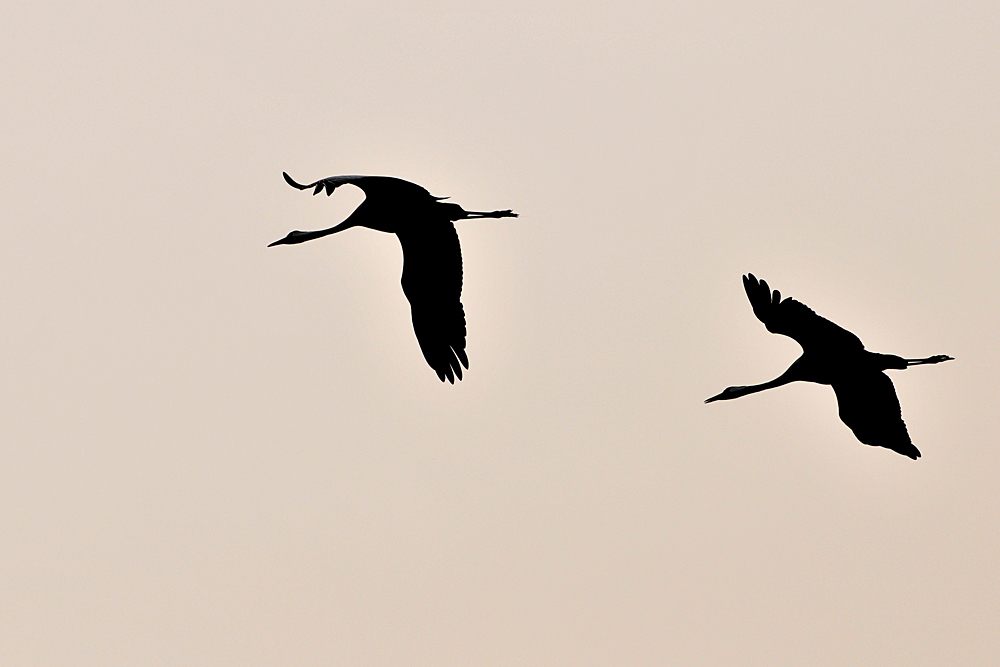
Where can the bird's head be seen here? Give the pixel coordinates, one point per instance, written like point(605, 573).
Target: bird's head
point(293, 237)
point(302, 237)
point(728, 393)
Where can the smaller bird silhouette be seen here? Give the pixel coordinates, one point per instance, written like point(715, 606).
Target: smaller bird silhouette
point(432, 257)
point(834, 356)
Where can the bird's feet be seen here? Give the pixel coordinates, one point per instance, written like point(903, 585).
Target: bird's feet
point(491, 214)
point(936, 359)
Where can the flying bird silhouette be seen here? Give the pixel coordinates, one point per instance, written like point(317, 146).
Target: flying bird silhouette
point(834, 356)
point(432, 257)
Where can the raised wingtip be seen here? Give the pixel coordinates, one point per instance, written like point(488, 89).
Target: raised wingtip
point(752, 283)
point(291, 182)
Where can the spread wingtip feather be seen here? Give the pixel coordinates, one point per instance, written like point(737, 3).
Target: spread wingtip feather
point(291, 182)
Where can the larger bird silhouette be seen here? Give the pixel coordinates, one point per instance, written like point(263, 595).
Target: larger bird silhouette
point(432, 257)
point(834, 356)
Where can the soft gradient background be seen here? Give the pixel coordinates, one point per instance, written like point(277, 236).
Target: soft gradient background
point(215, 453)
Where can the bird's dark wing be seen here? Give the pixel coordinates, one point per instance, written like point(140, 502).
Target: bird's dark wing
point(399, 191)
point(432, 282)
point(868, 405)
point(798, 321)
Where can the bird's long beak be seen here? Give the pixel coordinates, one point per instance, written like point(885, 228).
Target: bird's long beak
point(714, 398)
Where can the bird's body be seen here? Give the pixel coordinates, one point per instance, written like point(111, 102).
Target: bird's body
point(834, 356)
point(432, 257)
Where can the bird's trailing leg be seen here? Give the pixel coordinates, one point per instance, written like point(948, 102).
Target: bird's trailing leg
point(490, 214)
point(936, 359)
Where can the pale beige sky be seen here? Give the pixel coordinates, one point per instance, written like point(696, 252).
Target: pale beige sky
point(215, 453)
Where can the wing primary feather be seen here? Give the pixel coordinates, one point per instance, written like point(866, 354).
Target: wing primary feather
point(796, 320)
point(870, 408)
point(291, 182)
point(432, 282)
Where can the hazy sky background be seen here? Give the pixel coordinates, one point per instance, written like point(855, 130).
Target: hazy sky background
point(217, 453)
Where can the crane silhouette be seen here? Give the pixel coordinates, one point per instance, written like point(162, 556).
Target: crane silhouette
point(432, 257)
point(834, 356)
